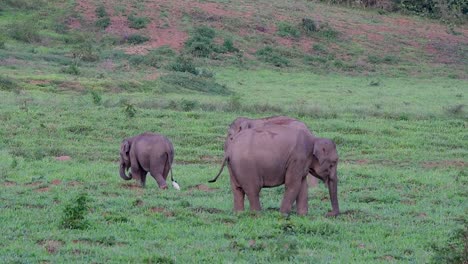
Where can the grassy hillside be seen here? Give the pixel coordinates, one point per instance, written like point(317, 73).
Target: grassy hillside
point(75, 80)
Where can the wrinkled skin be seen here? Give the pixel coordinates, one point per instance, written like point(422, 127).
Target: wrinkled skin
point(242, 123)
point(147, 152)
point(274, 155)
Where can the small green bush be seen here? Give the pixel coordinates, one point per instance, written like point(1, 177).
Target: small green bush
point(25, 31)
point(129, 109)
point(7, 84)
point(200, 43)
point(103, 22)
point(138, 22)
point(272, 56)
point(456, 249)
point(285, 29)
point(2, 42)
point(178, 81)
point(308, 25)
point(72, 69)
point(97, 97)
point(74, 213)
point(136, 39)
point(101, 11)
point(228, 46)
point(183, 64)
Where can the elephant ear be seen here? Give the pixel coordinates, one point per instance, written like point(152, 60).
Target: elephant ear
point(320, 151)
point(125, 147)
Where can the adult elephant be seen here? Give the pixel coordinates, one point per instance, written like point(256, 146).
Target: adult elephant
point(147, 152)
point(242, 123)
point(273, 155)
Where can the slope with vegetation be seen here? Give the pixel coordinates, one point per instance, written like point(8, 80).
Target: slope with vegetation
point(77, 76)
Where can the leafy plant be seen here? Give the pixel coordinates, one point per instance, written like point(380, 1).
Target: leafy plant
point(97, 97)
point(285, 29)
point(103, 22)
point(7, 84)
point(129, 109)
point(183, 64)
point(272, 56)
point(136, 39)
point(25, 31)
point(138, 22)
point(200, 43)
point(308, 25)
point(74, 213)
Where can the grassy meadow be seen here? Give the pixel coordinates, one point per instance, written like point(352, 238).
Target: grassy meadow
point(399, 124)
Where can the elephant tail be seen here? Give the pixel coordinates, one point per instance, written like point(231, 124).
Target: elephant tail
point(174, 182)
point(220, 171)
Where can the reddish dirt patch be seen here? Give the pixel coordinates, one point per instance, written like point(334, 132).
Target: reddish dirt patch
point(43, 189)
point(74, 183)
point(63, 158)
point(56, 182)
point(444, 163)
point(71, 86)
point(211, 159)
point(39, 82)
point(203, 187)
point(162, 210)
point(52, 246)
point(131, 186)
point(9, 183)
point(33, 184)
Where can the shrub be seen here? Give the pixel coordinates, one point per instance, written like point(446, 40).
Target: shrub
point(136, 39)
point(72, 69)
point(186, 81)
point(25, 31)
point(7, 84)
point(138, 22)
point(285, 29)
point(2, 42)
point(200, 43)
point(228, 46)
point(103, 22)
point(86, 50)
point(129, 109)
point(74, 213)
point(272, 56)
point(455, 251)
point(23, 4)
point(101, 11)
point(184, 64)
point(308, 25)
point(97, 98)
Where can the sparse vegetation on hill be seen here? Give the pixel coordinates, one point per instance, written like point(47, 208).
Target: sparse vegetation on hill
point(78, 76)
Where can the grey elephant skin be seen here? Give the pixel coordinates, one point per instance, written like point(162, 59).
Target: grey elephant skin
point(147, 152)
point(242, 123)
point(274, 155)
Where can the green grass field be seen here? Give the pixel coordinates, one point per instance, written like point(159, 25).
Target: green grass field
point(402, 175)
point(399, 122)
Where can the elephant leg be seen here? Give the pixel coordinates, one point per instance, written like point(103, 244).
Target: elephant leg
point(254, 199)
point(139, 175)
point(293, 183)
point(237, 192)
point(157, 173)
point(302, 199)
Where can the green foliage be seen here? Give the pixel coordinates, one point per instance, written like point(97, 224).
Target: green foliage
point(2, 41)
point(200, 43)
point(184, 63)
point(103, 22)
point(228, 46)
point(235, 103)
point(22, 4)
point(456, 248)
point(25, 31)
point(180, 81)
point(136, 39)
point(285, 29)
point(7, 84)
point(308, 25)
point(74, 213)
point(273, 56)
point(138, 22)
point(72, 69)
point(101, 11)
point(97, 97)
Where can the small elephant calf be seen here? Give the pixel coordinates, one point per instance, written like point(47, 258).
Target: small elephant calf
point(147, 152)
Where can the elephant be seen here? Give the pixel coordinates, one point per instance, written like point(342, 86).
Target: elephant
point(242, 123)
point(147, 152)
point(274, 155)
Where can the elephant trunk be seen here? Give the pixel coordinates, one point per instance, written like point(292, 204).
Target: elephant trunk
point(123, 174)
point(333, 190)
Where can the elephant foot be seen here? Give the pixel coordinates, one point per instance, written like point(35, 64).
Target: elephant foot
point(163, 187)
point(332, 214)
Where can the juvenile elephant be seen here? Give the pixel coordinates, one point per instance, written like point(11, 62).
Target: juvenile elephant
point(147, 152)
point(274, 155)
point(242, 123)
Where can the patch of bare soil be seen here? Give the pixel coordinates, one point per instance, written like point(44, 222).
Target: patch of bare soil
point(211, 159)
point(131, 186)
point(202, 187)
point(74, 183)
point(9, 183)
point(34, 184)
point(444, 163)
point(162, 210)
point(63, 158)
point(71, 86)
point(43, 189)
point(52, 246)
point(56, 182)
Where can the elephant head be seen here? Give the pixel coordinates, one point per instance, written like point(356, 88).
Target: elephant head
point(324, 166)
point(125, 159)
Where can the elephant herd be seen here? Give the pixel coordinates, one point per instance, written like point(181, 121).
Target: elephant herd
point(259, 153)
